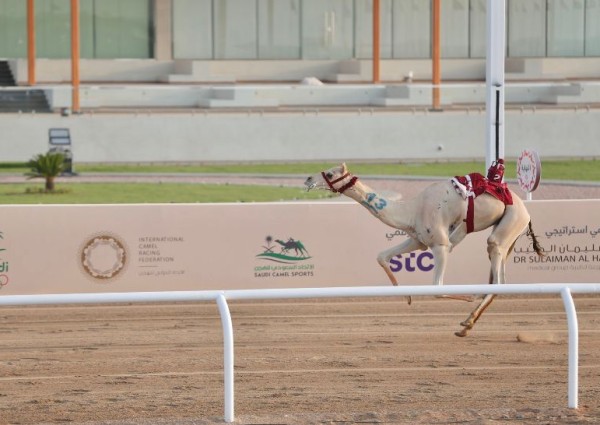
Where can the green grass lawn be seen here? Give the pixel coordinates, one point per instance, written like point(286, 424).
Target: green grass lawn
point(103, 193)
point(551, 170)
point(123, 193)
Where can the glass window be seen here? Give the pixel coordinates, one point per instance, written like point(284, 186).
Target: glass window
point(363, 32)
point(592, 28)
point(310, 29)
point(412, 29)
point(13, 29)
point(192, 29)
point(565, 27)
point(478, 29)
point(327, 29)
point(454, 28)
point(86, 29)
point(53, 29)
point(122, 29)
point(108, 28)
point(279, 29)
point(235, 29)
point(526, 28)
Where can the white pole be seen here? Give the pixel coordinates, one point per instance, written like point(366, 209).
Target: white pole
point(573, 347)
point(228, 361)
point(494, 76)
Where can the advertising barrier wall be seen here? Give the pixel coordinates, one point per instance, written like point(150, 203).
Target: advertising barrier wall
point(168, 247)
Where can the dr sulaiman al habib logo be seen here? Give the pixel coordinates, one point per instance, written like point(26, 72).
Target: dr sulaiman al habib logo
point(103, 257)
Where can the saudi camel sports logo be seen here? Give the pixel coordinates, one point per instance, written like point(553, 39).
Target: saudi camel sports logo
point(280, 251)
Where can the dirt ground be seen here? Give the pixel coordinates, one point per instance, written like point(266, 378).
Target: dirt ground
point(342, 361)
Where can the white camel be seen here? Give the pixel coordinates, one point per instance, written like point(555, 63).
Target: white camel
point(435, 219)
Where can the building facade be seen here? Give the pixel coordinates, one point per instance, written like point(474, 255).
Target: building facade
point(210, 41)
point(296, 29)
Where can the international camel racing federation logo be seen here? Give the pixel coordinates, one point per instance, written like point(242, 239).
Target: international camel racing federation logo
point(103, 257)
point(290, 253)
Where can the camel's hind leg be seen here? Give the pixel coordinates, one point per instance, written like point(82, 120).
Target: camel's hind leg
point(500, 244)
point(497, 275)
point(475, 315)
point(502, 239)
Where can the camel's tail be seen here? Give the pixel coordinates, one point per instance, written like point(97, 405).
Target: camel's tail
point(536, 245)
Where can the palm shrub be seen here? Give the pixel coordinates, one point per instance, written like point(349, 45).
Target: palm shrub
point(47, 166)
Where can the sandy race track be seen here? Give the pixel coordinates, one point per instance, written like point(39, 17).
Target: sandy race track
point(299, 362)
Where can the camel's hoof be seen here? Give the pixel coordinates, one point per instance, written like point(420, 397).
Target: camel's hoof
point(467, 324)
point(466, 298)
point(462, 333)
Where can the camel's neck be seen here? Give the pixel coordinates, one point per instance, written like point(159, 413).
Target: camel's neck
point(392, 212)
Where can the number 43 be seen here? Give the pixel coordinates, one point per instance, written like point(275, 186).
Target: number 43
point(375, 203)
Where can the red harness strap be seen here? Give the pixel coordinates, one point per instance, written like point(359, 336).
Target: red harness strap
point(476, 184)
point(347, 186)
point(470, 214)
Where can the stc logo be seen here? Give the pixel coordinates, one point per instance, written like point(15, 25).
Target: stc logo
point(412, 262)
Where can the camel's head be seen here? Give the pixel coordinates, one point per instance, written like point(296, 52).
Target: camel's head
point(336, 179)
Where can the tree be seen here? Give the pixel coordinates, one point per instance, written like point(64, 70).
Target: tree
point(47, 166)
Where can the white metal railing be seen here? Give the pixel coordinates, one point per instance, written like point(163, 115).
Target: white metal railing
point(221, 297)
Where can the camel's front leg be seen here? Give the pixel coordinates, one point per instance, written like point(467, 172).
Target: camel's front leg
point(440, 256)
point(384, 257)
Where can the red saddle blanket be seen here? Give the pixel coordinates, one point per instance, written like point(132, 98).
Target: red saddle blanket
point(474, 184)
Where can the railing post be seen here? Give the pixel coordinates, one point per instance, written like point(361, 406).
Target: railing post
point(227, 358)
point(573, 347)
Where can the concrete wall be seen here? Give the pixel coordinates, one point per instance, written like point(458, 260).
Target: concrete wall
point(294, 136)
point(165, 69)
point(255, 96)
point(93, 70)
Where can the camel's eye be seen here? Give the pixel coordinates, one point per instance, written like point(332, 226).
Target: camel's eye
point(329, 175)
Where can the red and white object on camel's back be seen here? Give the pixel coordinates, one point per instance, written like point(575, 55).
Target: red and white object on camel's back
point(496, 171)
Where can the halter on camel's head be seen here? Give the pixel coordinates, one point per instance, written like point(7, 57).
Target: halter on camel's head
point(337, 179)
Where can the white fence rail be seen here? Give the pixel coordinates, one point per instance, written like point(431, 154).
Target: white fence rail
point(221, 297)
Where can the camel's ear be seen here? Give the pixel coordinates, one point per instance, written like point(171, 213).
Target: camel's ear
point(344, 168)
